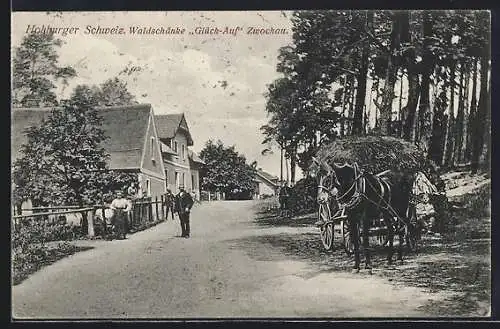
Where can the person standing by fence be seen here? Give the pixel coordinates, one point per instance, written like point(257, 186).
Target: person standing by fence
point(169, 204)
point(183, 204)
point(121, 207)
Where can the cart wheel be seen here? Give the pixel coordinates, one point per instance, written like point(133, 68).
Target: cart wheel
point(346, 238)
point(326, 229)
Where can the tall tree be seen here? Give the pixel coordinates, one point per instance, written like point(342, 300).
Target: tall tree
point(35, 69)
point(459, 128)
point(114, 92)
point(226, 171)
point(390, 76)
point(362, 77)
point(480, 124)
point(424, 111)
point(450, 134)
point(472, 112)
point(412, 68)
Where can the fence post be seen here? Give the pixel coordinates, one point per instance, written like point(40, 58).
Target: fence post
point(156, 207)
point(132, 214)
point(150, 210)
point(90, 221)
point(162, 207)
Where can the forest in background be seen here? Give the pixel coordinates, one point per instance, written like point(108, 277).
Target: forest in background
point(423, 76)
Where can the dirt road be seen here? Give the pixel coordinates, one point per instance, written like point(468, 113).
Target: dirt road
point(214, 274)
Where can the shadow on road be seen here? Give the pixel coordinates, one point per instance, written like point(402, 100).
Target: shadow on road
point(458, 262)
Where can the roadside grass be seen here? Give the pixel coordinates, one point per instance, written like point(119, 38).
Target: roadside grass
point(31, 251)
point(457, 262)
point(28, 261)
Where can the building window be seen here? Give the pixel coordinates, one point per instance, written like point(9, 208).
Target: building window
point(175, 146)
point(184, 179)
point(148, 187)
point(153, 148)
point(193, 182)
point(176, 179)
point(183, 152)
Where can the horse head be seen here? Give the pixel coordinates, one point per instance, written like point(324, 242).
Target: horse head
point(327, 182)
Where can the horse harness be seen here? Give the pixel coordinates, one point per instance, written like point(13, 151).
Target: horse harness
point(358, 187)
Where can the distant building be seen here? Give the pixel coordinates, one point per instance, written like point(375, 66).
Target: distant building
point(182, 165)
point(265, 184)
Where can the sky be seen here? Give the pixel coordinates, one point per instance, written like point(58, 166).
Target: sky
point(218, 81)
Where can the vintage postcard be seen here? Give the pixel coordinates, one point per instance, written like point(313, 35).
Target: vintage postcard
point(325, 164)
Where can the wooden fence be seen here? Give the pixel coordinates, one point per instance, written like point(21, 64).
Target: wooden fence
point(212, 196)
point(145, 212)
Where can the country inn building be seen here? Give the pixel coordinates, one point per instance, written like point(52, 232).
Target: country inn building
point(156, 148)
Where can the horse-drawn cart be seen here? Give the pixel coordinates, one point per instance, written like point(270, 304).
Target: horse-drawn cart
point(331, 225)
point(366, 192)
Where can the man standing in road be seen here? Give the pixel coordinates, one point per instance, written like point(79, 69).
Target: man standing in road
point(183, 204)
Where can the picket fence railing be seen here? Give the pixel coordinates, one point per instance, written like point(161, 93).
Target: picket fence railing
point(145, 210)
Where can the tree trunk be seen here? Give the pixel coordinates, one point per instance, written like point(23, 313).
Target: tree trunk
point(357, 128)
point(344, 101)
point(466, 114)
point(424, 110)
point(287, 171)
point(281, 163)
point(480, 122)
point(472, 113)
point(448, 162)
point(413, 85)
point(459, 126)
point(293, 164)
point(376, 85)
point(352, 97)
point(487, 159)
point(390, 77)
point(439, 124)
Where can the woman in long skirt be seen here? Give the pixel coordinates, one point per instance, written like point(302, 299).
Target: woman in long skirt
point(121, 207)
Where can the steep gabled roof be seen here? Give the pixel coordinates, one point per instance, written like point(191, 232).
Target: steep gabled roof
point(126, 128)
point(195, 158)
point(124, 125)
point(168, 125)
point(266, 177)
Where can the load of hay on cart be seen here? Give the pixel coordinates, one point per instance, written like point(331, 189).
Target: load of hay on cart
point(379, 156)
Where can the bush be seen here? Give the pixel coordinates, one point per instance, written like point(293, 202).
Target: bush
point(303, 196)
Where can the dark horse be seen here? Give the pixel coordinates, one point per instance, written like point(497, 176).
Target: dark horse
point(367, 197)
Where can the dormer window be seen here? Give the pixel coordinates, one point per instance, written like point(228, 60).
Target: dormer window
point(152, 148)
point(183, 152)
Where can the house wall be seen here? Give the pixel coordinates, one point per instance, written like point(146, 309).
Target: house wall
point(180, 164)
point(195, 182)
point(156, 185)
point(178, 175)
point(181, 140)
point(152, 159)
point(265, 189)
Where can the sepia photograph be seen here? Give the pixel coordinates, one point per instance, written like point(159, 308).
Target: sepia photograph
point(218, 165)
